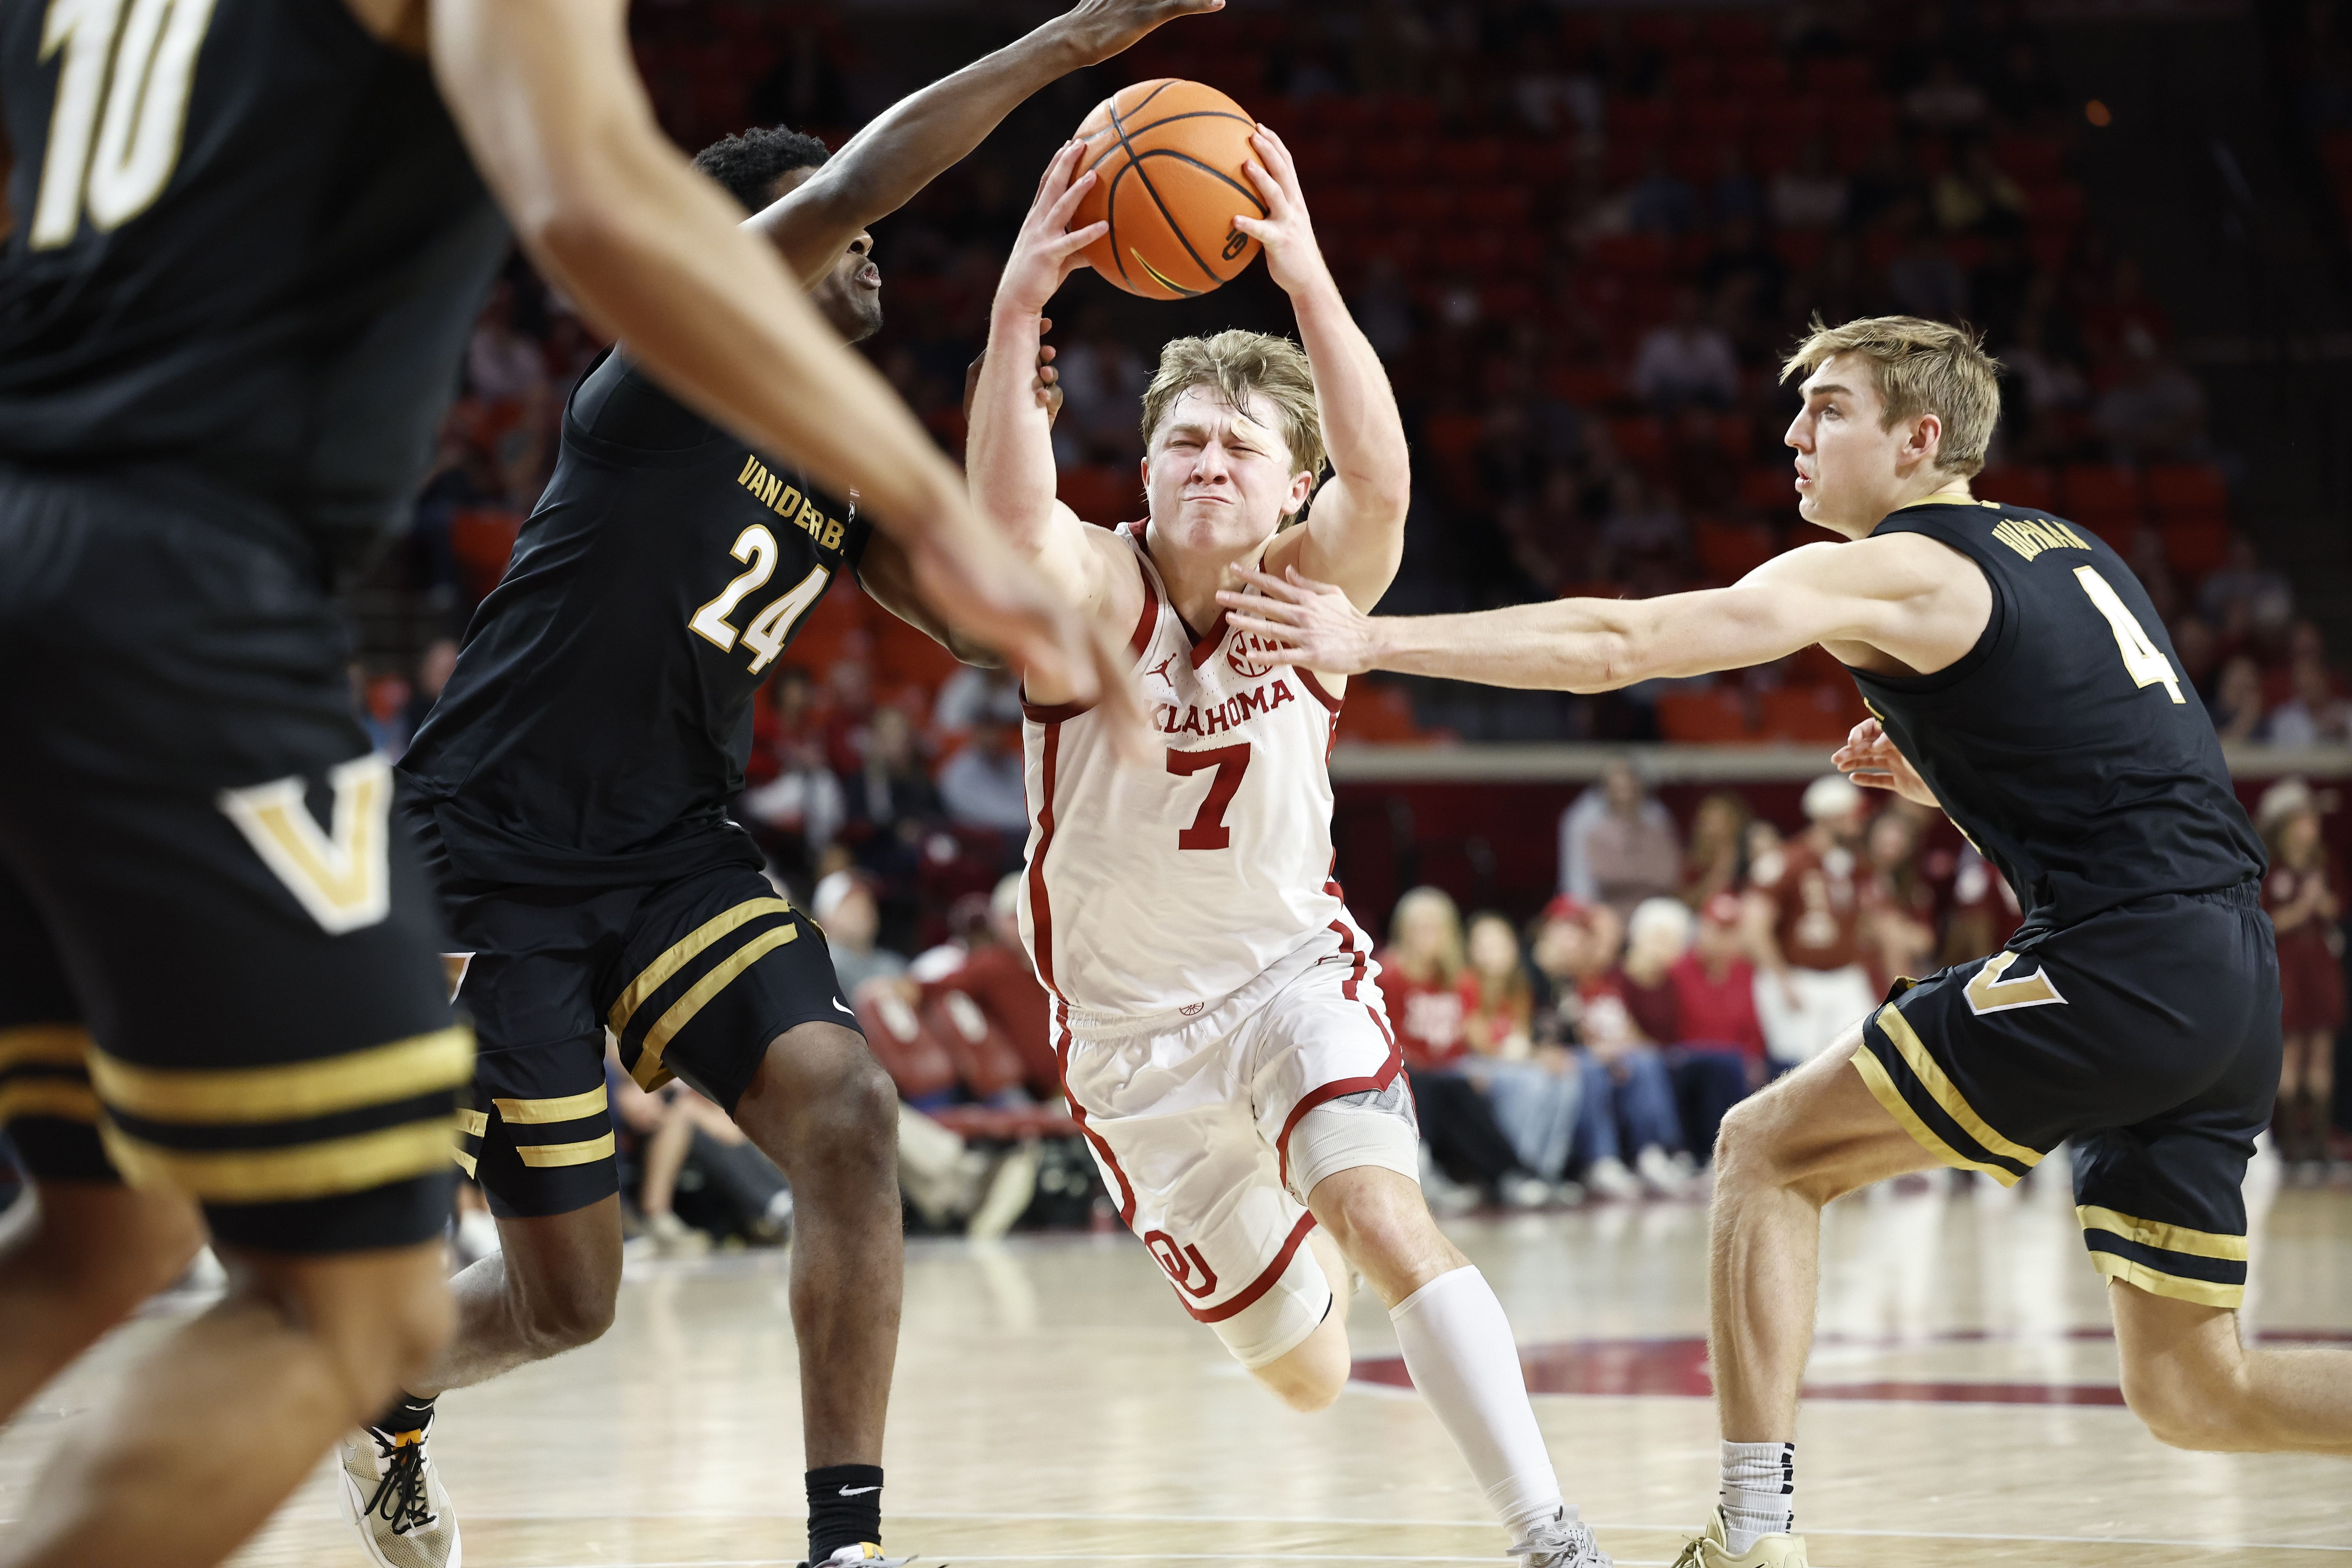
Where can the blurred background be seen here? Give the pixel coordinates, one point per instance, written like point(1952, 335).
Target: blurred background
point(1582, 236)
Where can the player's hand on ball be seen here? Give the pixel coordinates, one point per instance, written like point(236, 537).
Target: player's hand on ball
point(1046, 251)
point(1308, 622)
point(1099, 30)
point(1872, 761)
point(1292, 258)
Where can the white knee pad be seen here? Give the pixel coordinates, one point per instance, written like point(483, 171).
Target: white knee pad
point(1376, 1127)
point(1293, 1305)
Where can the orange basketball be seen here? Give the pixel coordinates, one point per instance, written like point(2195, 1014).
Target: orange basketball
point(1166, 157)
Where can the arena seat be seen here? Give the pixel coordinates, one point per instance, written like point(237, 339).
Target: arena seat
point(2195, 546)
point(2093, 491)
point(2195, 491)
point(985, 1062)
point(1770, 490)
point(1712, 713)
point(1731, 550)
point(1377, 712)
point(1102, 492)
point(1821, 713)
point(916, 1062)
point(2025, 486)
point(482, 538)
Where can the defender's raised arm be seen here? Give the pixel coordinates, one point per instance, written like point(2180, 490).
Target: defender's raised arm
point(545, 94)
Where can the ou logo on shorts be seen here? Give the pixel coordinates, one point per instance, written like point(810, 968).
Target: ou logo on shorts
point(1182, 1265)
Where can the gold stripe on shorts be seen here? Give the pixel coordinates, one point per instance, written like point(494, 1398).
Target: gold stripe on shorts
point(1882, 1089)
point(2164, 1237)
point(376, 1075)
point(2156, 1282)
point(473, 1125)
point(567, 1108)
point(1944, 1091)
point(466, 1162)
point(579, 1153)
point(682, 1010)
point(49, 1044)
point(67, 1099)
point(328, 1168)
point(683, 953)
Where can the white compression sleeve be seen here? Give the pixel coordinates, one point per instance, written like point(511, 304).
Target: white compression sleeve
point(1458, 1347)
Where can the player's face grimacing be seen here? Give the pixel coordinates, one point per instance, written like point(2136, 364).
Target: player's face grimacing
point(850, 296)
point(1221, 479)
point(1852, 467)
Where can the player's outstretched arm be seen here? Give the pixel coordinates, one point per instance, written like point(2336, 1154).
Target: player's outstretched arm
point(549, 101)
point(1355, 534)
point(1898, 595)
point(1009, 449)
point(912, 142)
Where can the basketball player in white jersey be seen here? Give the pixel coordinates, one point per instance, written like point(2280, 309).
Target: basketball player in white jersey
point(1216, 1009)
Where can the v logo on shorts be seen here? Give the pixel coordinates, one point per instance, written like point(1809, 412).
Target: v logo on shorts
point(1989, 992)
point(343, 879)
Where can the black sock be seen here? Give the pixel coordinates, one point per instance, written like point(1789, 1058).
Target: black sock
point(408, 1414)
point(845, 1507)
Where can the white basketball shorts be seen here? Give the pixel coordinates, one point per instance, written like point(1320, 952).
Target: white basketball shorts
point(1212, 1126)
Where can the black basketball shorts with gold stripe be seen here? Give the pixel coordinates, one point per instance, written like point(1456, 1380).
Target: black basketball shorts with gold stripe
point(2148, 1035)
point(218, 955)
point(692, 977)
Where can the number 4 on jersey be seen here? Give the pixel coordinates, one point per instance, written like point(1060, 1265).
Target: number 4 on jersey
point(2143, 659)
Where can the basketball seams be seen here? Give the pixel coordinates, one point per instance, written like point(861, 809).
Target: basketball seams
point(1133, 161)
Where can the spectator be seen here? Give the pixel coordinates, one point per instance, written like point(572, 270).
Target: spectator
point(1629, 1096)
point(891, 788)
point(1808, 193)
point(1924, 279)
point(501, 363)
point(1899, 925)
point(1803, 918)
point(1736, 197)
point(1714, 987)
point(1717, 860)
point(2238, 700)
point(797, 813)
point(2155, 411)
point(2314, 715)
point(1709, 1075)
point(1642, 527)
point(1532, 1091)
point(1985, 912)
point(1685, 360)
point(973, 695)
point(1616, 843)
point(1972, 195)
point(2245, 593)
point(2306, 908)
point(1661, 201)
point(981, 786)
point(844, 907)
point(434, 668)
point(1947, 100)
point(1424, 976)
point(998, 977)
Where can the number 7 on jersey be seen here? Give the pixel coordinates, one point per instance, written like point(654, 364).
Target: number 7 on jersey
point(1209, 830)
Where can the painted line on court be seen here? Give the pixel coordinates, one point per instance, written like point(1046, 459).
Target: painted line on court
point(1361, 1522)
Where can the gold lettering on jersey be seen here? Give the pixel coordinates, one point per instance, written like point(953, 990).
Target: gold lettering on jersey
point(2030, 537)
point(1219, 718)
point(787, 502)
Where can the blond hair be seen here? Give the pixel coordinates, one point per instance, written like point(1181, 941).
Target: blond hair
point(1449, 960)
point(1922, 367)
point(1236, 363)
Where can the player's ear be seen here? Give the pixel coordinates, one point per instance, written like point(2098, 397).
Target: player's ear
point(1926, 436)
point(1301, 487)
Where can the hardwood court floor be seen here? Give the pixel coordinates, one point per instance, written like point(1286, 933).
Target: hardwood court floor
point(1055, 1406)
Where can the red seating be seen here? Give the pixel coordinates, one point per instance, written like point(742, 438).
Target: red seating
point(1712, 713)
point(916, 1062)
point(1770, 490)
point(2053, 206)
point(984, 1059)
point(1585, 386)
point(2093, 490)
point(1641, 440)
point(2031, 160)
point(2027, 486)
point(2120, 530)
point(482, 538)
point(1103, 492)
point(905, 656)
point(1378, 713)
point(1818, 714)
point(1838, 75)
point(1732, 550)
point(2192, 490)
point(2192, 547)
point(1452, 437)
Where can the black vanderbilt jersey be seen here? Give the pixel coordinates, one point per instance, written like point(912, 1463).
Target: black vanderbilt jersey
point(600, 716)
point(247, 239)
point(2065, 744)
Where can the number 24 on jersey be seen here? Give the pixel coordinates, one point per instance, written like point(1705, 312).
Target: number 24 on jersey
point(771, 629)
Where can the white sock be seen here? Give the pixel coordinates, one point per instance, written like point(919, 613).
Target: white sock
point(1458, 1349)
point(1759, 1492)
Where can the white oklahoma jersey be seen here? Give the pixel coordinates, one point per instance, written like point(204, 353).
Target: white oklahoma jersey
point(1210, 989)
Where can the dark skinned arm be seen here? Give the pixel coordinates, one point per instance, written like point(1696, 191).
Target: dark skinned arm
point(916, 138)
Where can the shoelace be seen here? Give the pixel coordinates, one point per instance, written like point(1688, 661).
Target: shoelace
point(399, 1493)
point(1693, 1555)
